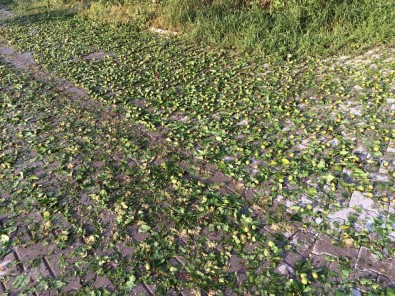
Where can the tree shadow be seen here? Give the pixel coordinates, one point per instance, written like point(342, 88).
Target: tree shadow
point(6, 2)
point(41, 17)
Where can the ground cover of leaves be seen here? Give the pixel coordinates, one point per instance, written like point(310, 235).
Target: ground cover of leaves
point(315, 141)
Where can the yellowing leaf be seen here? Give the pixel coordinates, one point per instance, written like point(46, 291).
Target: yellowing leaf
point(321, 164)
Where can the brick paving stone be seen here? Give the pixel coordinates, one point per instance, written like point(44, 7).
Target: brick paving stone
point(241, 278)
point(283, 269)
point(391, 146)
point(137, 236)
point(102, 281)
point(98, 55)
point(125, 250)
point(23, 61)
point(378, 177)
point(383, 170)
point(303, 241)
point(74, 284)
point(192, 292)
point(139, 290)
point(5, 265)
point(325, 246)
point(341, 214)
point(219, 178)
point(262, 267)
point(52, 263)
point(369, 261)
point(391, 207)
point(291, 258)
point(89, 277)
point(384, 281)
point(358, 275)
point(358, 199)
point(34, 251)
point(2, 289)
point(362, 153)
point(150, 289)
point(34, 217)
point(362, 274)
point(211, 235)
point(250, 247)
point(37, 273)
point(171, 292)
point(50, 292)
point(319, 261)
point(391, 236)
point(356, 292)
point(236, 264)
point(14, 269)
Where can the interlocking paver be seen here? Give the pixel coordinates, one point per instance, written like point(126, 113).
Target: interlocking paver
point(292, 258)
point(368, 260)
point(391, 147)
point(325, 246)
point(303, 241)
point(26, 254)
point(102, 282)
point(359, 200)
point(236, 264)
point(139, 290)
point(341, 214)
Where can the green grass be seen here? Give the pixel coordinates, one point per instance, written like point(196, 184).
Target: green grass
point(280, 29)
point(297, 28)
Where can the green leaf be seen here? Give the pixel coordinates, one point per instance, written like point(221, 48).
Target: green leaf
point(21, 282)
point(131, 282)
point(321, 164)
point(144, 228)
point(42, 285)
point(4, 239)
point(329, 178)
point(312, 191)
point(390, 291)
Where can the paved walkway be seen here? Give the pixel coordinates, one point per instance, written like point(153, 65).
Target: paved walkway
point(65, 235)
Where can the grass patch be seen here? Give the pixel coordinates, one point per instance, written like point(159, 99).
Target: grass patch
point(282, 29)
point(137, 12)
point(285, 28)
